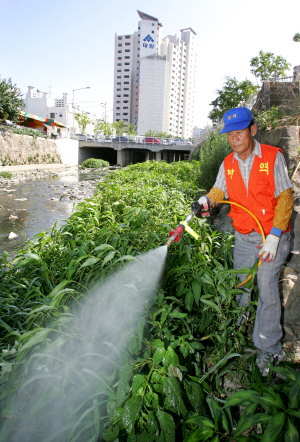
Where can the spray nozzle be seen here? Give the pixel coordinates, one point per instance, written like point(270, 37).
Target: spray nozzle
point(175, 235)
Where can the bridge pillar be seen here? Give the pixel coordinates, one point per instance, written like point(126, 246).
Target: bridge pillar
point(158, 156)
point(120, 157)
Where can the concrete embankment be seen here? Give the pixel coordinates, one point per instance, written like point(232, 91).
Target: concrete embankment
point(16, 149)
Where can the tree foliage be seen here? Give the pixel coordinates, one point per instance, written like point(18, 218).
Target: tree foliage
point(234, 93)
point(296, 37)
point(155, 133)
point(11, 102)
point(103, 127)
point(120, 127)
point(130, 129)
point(83, 120)
point(266, 66)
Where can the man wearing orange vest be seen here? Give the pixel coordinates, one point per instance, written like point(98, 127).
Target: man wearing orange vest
point(255, 176)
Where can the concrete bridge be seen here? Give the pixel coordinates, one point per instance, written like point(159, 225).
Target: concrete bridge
point(129, 153)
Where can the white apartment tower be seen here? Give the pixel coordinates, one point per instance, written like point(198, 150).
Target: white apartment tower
point(154, 81)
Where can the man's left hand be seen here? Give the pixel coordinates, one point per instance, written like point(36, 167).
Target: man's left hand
point(268, 250)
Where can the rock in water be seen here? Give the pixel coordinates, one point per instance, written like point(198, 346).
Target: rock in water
point(12, 235)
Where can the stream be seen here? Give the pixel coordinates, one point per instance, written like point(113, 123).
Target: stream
point(35, 205)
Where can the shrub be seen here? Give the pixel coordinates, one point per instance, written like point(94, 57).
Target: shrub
point(211, 154)
point(94, 163)
point(269, 119)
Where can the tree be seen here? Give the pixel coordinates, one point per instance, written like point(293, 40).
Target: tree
point(156, 133)
point(130, 129)
point(119, 126)
point(83, 120)
point(233, 94)
point(103, 127)
point(297, 37)
point(11, 103)
point(266, 66)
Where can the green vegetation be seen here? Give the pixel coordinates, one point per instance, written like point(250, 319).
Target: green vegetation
point(187, 356)
point(28, 131)
point(266, 66)
point(155, 133)
point(94, 163)
point(270, 119)
point(234, 93)
point(296, 37)
point(83, 120)
point(103, 127)
point(7, 175)
point(210, 153)
point(11, 102)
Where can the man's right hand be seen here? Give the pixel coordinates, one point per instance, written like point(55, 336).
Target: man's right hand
point(200, 208)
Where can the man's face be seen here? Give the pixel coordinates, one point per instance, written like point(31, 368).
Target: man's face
point(241, 141)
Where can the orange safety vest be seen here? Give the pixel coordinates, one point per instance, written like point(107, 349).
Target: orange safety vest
point(259, 198)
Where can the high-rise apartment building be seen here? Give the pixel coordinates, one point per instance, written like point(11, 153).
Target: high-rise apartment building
point(154, 81)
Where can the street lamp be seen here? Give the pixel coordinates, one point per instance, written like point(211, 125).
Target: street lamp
point(74, 90)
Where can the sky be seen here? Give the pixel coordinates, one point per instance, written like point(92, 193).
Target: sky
point(62, 45)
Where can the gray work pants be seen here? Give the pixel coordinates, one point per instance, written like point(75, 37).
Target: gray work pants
point(267, 328)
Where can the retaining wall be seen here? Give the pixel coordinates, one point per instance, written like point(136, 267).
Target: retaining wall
point(18, 149)
point(288, 138)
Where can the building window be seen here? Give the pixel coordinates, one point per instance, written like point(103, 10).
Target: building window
point(52, 115)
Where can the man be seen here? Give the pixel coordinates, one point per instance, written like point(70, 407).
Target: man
point(255, 176)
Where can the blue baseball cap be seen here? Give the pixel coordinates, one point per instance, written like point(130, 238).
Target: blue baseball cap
point(237, 118)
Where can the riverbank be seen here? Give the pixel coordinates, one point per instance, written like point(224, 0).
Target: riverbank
point(33, 171)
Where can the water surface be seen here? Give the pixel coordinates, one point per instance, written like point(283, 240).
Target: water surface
point(35, 205)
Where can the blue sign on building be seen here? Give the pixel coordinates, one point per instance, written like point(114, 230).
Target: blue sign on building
point(148, 42)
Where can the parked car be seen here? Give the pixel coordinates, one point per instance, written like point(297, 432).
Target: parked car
point(90, 138)
point(151, 140)
point(100, 139)
point(81, 137)
point(121, 139)
point(181, 141)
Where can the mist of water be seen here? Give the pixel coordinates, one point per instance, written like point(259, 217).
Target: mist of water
point(62, 386)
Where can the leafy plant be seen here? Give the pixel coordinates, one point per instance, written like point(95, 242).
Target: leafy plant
point(269, 119)
point(185, 348)
point(94, 163)
point(211, 154)
point(274, 407)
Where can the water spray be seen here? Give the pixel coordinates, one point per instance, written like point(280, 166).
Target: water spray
point(63, 386)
